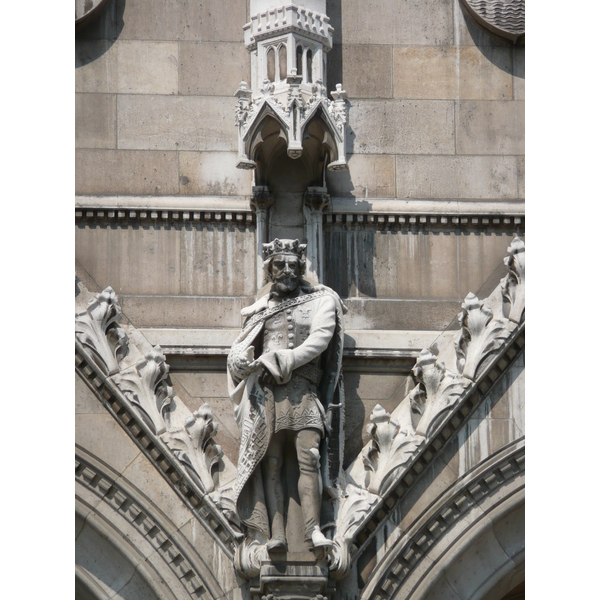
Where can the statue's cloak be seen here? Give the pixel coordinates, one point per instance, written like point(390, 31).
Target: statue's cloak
point(254, 408)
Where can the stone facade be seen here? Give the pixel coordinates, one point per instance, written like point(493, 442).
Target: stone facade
point(432, 197)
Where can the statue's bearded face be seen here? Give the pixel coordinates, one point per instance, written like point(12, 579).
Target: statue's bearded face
point(285, 271)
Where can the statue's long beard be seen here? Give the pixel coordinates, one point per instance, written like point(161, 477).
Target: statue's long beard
point(286, 285)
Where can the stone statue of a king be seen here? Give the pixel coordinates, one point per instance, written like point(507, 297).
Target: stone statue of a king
point(284, 375)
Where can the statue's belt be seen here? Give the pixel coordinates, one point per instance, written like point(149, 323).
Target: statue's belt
point(310, 372)
point(265, 314)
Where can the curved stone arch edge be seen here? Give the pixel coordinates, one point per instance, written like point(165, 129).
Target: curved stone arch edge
point(169, 544)
point(466, 493)
point(161, 457)
point(443, 435)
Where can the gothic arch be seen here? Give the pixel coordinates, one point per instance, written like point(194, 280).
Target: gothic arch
point(468, 545)
point(126, 547)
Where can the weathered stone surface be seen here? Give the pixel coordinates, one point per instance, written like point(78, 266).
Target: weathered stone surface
point(147, 67)
point(401, 127)
point(85, 401)
point(135, 67)
point(142, 473)
point(385, 22)
point(95, 121)
point(367, 176)
point(148, 263)
point(101, 435)
point(176, 123)
point(208, 173)
point(448, 72)
point(185, 311)
point(125, 172)
point(402, 264)
point(521, 176)
point(457, 176)
point(490, 127)
point(184, 20)
point(519, 73)
point(96, 65)
point(367, 71)
point(212, 68)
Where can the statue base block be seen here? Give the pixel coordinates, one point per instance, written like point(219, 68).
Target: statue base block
point(293, 576)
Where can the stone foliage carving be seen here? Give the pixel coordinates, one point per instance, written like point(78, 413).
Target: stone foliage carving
point(194, 446)
point(97, 329)
point(513, 285)
point(390, 448)
point(480, 338)
point(145, 386)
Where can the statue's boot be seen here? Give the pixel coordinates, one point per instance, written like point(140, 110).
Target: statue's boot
point(276, 544)
point(319, 540)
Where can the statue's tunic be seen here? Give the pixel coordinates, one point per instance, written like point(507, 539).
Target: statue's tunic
point(302, 340)
point(297, 403)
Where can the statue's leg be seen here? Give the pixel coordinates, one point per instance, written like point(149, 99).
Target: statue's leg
point(310, 484)
point(274, 495)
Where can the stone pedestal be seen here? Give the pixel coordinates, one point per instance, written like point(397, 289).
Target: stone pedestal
point(293, 576)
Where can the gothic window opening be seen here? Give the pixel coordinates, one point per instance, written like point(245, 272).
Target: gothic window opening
point(282, 62)
point(271, 64)
point(299, 60)
point(309, 74)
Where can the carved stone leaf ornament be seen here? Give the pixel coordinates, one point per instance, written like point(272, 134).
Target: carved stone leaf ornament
point(97, 329)
point(480, 338)
point(442, 390)
point(146, 388)
point(194, 446)
point(355, 503)
point(513, 285)
point(389, 449)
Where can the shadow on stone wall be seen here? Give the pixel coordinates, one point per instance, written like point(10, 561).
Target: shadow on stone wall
point(104, 29)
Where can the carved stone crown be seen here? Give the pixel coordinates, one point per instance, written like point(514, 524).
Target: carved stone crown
point(277, 246)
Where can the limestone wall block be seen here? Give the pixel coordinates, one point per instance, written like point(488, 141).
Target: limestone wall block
point(401, 127)
point(184, 20)
point(368, 175)
point(427, 22)
point(102, 435)
point(519, 73)
point(212, 68)
point(521, 176)
point(125, 172)
point(176, 123)
point(367, 71)
point(126, 67)
point(490, 127)
point(185, 311)
point(457, 176)
point(95, 121)
point(96, 66)
point(147, 67)
point(212, 174)
point(146, 260)
point(448, 72)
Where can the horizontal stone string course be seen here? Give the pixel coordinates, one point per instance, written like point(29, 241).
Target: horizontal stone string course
point(419, 220)
point(159, 456)
point(128, 215)
point(166, 543)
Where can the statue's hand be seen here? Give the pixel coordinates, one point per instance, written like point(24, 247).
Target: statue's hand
point(243, 363)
